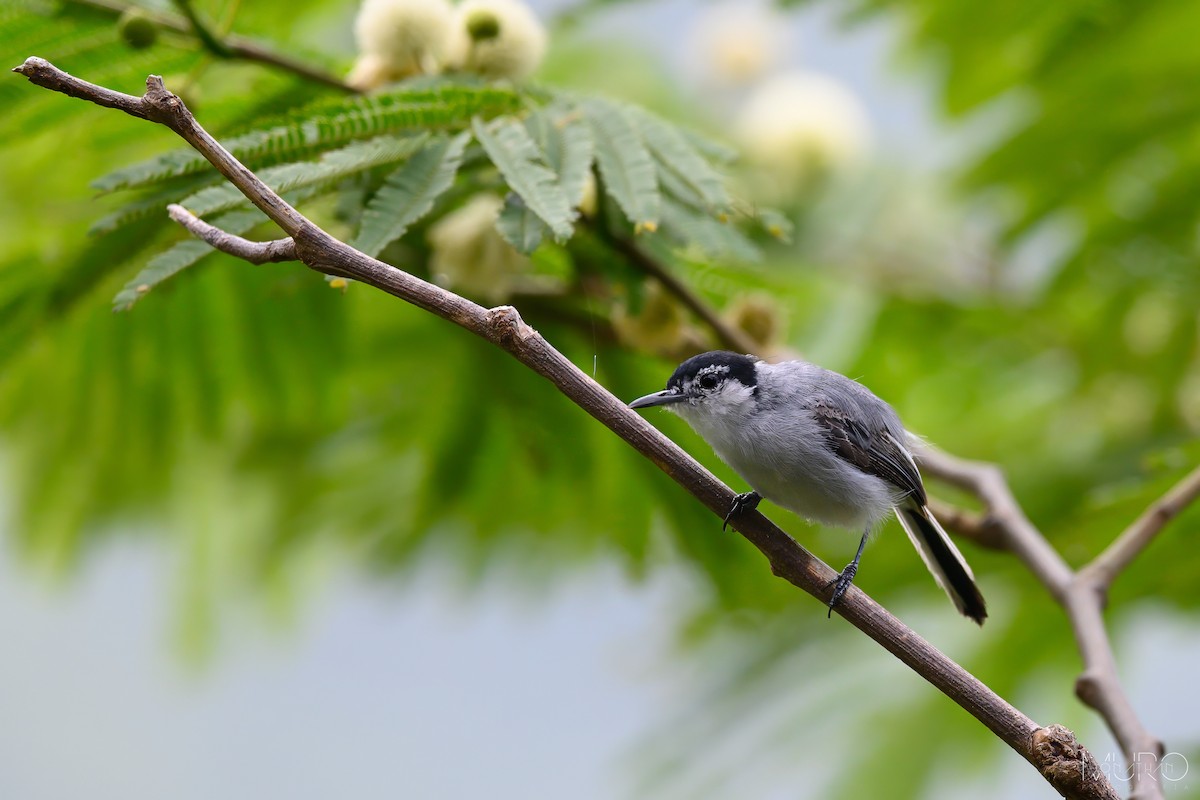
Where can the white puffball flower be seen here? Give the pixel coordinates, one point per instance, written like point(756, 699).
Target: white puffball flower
point(469, 255)
point(399, 38)
point(799, 124)
point(498, 39)
point(736, 42)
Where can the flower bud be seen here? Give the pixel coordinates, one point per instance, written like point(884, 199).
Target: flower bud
point(758, 316)
point(736, 42)
point(400, 38)
point(498, 39)
point(137, 29)
point(799, 126)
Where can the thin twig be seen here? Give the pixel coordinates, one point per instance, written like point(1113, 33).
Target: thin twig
point(1105, 567)
point(1082, 593)
point(979, 528)
point(728, 335)
point(1003, 513)
point(159, 105)
point(1065, 764)
point(200, 29)
point(231, 46)
point(254, 252)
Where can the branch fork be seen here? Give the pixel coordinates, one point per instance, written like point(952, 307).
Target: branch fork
point(1053, 750)
point(253, 252)
point(1082, 593)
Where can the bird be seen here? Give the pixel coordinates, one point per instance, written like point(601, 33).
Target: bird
point(820, 444)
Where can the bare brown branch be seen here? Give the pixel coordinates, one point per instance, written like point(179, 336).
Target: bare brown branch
point(42, 73)
point(1082, 594)
point(159, 105)
point(1118, 555)
point(1061, 755)
point(981, 529)
point(254, 252)
point(1065, 765)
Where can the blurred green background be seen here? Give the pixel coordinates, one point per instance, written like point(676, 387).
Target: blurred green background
point(993, 227)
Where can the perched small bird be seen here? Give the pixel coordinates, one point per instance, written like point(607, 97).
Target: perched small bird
point(821, 445)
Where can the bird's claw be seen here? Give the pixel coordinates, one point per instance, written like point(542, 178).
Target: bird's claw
point(746, 501)
point(840, 584)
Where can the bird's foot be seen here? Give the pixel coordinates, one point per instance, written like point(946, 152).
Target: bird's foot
point(746, 501)
point(840, 584)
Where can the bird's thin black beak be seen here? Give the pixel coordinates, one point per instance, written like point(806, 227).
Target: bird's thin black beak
point(664, 398)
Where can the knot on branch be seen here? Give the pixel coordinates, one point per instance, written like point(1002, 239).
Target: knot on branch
point(165, 106)
point(1068, 765)
point(33, 68)
point(1089, 688)
point(1091, 584)
point(155, 85)
point(990, 532)
point(506, 328)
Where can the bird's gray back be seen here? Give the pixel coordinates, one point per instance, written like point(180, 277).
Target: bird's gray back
point(798, 382)
point(784, 450)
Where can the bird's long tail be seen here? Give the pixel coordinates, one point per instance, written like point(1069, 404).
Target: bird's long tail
point(949, 568)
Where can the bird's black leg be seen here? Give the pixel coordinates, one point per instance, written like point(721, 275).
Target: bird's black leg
point(842, 582)
point(746, 501)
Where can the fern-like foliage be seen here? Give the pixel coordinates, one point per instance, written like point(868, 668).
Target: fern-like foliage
point(390, 158)
point(567, 146)
point(519, 226)
point(682, 170)
point(332, 123)
point(656, 173)
point(152, 203)
point(711, 149)
point(772, 222)
point(626, 166)
point(709, 237)
point(514, 152)
point(410, 192)
point(330, 168)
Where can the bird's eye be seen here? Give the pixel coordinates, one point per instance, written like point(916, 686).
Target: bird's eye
point(707, 381)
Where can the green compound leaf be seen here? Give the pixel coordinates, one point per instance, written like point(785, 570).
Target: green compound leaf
point(626, 166)
point(774, 223)
point(410, 192)
point(519, 226)
point(710, 237)
point(333, 166)
point(513, 151)
point(566, 143)
point(691, 177)
point(332, 124)
point(152, 204)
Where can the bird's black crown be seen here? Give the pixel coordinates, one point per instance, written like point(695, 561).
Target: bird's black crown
point(732, 365)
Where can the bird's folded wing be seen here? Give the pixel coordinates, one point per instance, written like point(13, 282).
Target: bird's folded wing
point(874, 452)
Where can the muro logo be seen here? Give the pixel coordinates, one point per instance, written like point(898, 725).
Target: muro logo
point(1172, 767)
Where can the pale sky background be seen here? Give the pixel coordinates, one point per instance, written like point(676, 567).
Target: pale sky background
point(414, 691)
